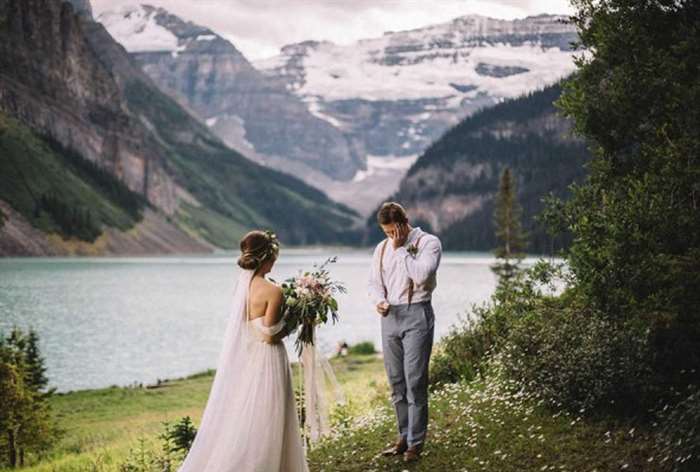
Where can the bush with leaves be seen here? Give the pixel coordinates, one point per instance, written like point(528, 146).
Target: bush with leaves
point(179, 436)
point(363, 348)
point(580, 361)
point(636, 220)
point(143, 459)
point(462, 353)
point(175, 441)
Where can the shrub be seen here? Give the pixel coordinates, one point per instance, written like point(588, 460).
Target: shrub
point(462, 353)
point(363, 348)
point(142, 459)
point(179, 435)
point(635, 220)
point(176, 439)
point(578, 360)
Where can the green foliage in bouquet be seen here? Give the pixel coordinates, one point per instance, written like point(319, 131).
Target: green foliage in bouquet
point(309, 300)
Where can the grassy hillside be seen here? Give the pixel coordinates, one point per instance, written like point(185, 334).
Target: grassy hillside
point(58, 191)
point(236, 193)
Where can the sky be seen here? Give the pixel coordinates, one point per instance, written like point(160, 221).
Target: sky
point(260, 27)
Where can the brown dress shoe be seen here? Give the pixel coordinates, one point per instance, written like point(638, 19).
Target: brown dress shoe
point(412, 454)
point(397, 449)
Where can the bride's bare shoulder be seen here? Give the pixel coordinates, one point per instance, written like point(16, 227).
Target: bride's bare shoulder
point(266, 288)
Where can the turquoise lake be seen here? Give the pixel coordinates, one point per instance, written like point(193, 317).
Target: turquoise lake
point(116, 321)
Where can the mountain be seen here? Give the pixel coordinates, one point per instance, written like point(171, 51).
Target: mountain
point(53, 201)
point(349, 119)
point(71, 94)
point(450, 189)
point(400, 92)
point(248, 111)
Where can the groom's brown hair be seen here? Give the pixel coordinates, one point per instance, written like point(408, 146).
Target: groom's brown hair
point(391, 212)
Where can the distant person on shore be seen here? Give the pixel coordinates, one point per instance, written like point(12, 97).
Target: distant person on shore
point(342, 349)
point(401, 282)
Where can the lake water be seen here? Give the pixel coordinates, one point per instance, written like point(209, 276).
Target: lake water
point(107, 321)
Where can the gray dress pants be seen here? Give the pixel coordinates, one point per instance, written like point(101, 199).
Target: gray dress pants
point(407, 340)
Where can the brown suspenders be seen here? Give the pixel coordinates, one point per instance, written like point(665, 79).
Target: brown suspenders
point(411, 285)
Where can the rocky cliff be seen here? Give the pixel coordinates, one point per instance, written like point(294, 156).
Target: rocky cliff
point(52, 80)
point(65, 78)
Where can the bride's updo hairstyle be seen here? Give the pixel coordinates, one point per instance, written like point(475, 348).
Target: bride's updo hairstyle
point(258, 247)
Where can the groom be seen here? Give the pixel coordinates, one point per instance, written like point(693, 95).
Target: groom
point(401, 282)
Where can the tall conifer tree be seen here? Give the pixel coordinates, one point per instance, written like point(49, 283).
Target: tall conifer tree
point(509, 231)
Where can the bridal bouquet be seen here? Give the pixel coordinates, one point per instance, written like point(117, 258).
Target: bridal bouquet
point(309, 299)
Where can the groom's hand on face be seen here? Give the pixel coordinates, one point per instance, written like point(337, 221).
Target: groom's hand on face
point(400, 235)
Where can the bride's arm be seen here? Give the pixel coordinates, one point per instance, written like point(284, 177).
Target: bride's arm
point(273, 312)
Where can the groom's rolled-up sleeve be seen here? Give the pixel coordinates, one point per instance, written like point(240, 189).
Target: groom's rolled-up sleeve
point(426, 262)
point(375, 289)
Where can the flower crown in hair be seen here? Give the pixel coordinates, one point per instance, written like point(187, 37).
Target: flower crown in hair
point(274, 249)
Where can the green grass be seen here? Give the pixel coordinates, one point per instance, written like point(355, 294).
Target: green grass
point(101, 426)
point(484, 426)
point(477, 426)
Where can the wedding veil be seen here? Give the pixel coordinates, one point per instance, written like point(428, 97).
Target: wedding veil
point(226, 402)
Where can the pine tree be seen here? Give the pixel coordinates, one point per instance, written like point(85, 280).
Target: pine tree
point(509, 231)
point(13, 407)
point(26, 423)
point(36, 370)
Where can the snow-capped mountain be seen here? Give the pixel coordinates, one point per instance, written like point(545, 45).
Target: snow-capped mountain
point(349, 119)
point(403, 90)
point(247, 110)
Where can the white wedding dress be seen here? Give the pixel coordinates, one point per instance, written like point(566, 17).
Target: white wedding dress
point(250, 422)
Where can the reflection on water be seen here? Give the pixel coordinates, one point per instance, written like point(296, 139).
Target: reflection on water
point(105, 321)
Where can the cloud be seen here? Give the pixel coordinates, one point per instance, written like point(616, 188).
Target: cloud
point(260, 27)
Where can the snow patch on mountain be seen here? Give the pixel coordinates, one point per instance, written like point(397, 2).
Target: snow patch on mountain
point(135, 28)
point(339, 72)
point(452, 59)
point(386, 165)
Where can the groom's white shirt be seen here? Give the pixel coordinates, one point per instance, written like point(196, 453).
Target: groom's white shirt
point(400, 266)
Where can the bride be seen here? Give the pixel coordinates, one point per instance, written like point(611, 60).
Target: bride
point(250, 422)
